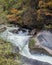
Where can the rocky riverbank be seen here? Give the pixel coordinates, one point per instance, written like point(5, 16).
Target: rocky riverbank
point(16, 36)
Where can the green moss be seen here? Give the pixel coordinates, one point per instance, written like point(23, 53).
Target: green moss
point(32, 43)
point(48, 26)
point(7, 57)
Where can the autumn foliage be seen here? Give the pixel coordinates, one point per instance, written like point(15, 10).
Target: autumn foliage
point(28, 12)
point(14, 11)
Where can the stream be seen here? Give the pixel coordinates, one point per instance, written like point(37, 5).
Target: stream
point(21, 40)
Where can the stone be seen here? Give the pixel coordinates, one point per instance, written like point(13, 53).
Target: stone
point(32, 62)
point(2, 29)
point(43, 43)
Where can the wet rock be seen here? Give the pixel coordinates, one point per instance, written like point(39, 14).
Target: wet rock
point(19, 30)
point(33, 32)
point(2, 29)
point(14, 31)
point(15, 49)
point(24, 30)
point(32, 62)
point(43, 44)
point(45, 39)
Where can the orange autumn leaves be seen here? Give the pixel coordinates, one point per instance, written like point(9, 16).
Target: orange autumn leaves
point(43, 4)
point(43, 12)
point(44, 9)
point(14, 11)
point(13, 16)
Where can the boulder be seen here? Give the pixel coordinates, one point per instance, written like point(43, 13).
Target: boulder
point(41, 44)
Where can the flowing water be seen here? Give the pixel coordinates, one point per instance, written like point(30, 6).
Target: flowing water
point(21, 40)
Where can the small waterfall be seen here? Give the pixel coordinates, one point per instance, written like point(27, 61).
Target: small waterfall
point(21, 40)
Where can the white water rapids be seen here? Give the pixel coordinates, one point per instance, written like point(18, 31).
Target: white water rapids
point(21, 40)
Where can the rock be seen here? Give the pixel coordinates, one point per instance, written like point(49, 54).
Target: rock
point(18, 30)
point(14, 31)
point(42, 45)
point(2, 29)
point(45, 40)
point(15, 49)
point(33, 32)
point(27, 61)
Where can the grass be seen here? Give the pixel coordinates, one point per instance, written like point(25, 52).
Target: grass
point(7, 57)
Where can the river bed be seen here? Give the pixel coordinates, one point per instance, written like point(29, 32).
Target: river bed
point(21, 41)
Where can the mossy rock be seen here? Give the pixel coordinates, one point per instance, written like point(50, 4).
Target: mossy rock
point(32, 43)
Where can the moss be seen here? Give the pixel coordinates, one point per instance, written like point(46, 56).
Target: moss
point(32, 43)
point(48, 26)
point(7, 57)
